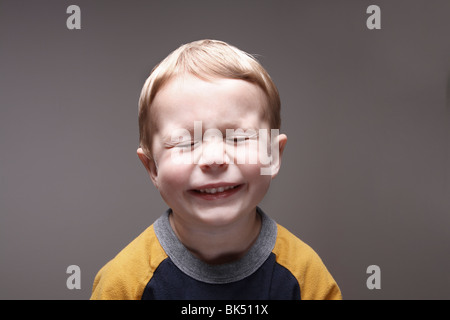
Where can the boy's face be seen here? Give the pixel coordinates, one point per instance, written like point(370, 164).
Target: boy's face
point(212, 187)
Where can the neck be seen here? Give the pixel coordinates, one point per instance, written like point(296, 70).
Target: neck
point(218, 245)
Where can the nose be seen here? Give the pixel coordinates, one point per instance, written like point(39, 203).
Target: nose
point(213, 156)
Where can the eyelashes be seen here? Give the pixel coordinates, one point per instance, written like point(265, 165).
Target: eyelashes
point(191, 144)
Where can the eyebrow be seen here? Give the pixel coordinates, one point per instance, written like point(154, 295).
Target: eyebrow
point(167, 138)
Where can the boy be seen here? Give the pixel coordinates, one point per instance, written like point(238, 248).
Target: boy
point(214, 242)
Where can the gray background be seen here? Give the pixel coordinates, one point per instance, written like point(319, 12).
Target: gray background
point(365, 177)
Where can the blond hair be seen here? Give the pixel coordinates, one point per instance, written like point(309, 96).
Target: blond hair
point(205, 59)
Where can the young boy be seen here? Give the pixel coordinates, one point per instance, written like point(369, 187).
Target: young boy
point(209, 116)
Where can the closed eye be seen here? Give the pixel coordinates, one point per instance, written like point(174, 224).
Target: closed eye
point(186, 144)
point(237, 139)
point(182, 144)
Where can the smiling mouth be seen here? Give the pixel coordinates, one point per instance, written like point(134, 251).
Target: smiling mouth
point(217, 191)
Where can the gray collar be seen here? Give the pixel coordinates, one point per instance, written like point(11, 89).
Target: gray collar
point(223, 273)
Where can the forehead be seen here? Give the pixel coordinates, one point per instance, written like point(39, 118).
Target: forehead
point(216, 102)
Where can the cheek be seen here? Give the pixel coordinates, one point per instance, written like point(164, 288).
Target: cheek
point(250, 152)
point(258, 183)
point(173, 178)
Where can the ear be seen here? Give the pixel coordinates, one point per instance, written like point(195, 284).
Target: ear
point(149, 165)
point(280, 141)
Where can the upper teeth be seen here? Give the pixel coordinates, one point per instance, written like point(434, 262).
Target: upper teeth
point(214, 190)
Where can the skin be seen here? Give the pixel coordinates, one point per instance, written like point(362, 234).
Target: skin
point(220, 227)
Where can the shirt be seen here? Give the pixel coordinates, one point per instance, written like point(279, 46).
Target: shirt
point(156, 265)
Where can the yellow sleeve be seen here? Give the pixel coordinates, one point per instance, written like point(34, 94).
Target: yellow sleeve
point(126, 276)
point(316, 283)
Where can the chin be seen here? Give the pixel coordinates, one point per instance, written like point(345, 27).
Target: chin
point(219, 216)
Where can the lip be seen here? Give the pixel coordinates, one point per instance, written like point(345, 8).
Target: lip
point(216, 185)
point(218, 195)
